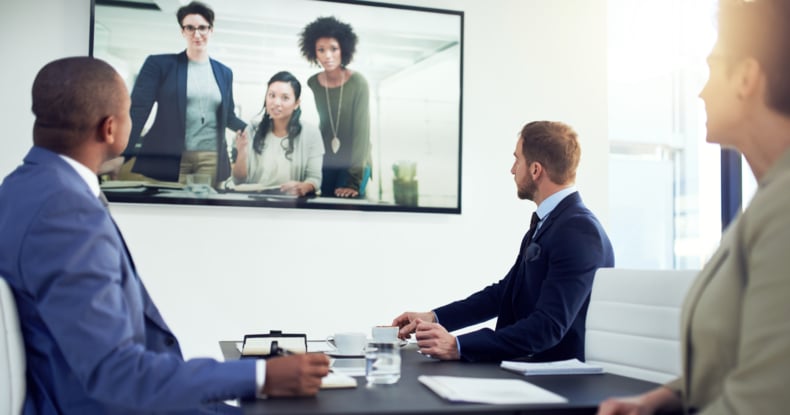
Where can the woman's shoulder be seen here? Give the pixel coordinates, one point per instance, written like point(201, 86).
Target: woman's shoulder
point(167, 57)
point(308, 128)
point(357, 80)
point(356, 76)
point(312, 81)
point(164, 63)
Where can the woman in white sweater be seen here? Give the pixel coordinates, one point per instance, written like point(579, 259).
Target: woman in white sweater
point(283, 153)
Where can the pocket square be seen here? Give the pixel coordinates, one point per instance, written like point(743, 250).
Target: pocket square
point(533, 252)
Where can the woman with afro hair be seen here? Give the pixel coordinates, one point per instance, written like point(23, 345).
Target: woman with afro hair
point(342, 100)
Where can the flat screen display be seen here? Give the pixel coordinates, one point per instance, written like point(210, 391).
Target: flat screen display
point(402, 89)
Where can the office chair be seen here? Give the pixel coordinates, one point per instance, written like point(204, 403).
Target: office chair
point(633, 322)
point(12, 355)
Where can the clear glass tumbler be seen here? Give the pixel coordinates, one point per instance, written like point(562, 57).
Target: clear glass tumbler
point(382, 362)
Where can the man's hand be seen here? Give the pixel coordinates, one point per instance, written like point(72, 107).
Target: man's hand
point(435, 341)
point(295, 375)
point(407, 322)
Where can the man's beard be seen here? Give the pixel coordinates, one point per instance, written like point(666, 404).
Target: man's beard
point(527, 190)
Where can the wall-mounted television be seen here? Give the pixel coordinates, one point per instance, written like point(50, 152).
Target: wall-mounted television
point(410, 57)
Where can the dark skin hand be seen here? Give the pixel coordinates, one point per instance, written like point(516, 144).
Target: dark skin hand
point(295, 375)
point(346, 192)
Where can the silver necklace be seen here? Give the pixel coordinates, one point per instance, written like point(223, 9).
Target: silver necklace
point(202, 90)
point(335, 143)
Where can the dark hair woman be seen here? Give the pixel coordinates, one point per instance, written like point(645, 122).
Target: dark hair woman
point(342, 100)
point(284, 153)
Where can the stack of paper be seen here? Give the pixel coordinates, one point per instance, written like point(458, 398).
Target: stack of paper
point(561, 367)
point(335, 380)
point(494, 391)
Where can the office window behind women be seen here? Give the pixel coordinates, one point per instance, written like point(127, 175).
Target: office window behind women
point(664, 179)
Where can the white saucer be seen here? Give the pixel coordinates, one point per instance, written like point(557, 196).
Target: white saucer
point(343, 355)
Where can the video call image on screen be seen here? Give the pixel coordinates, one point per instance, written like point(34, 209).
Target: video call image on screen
point(409, 57)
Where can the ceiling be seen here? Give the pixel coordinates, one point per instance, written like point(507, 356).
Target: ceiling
point(258, 38)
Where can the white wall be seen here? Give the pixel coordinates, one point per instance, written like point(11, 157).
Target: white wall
point(217, 273)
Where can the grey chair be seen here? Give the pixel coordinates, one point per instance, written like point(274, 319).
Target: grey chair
point(12, 355)
point(633, 322)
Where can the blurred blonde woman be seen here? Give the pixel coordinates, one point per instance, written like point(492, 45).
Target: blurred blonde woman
point(734, 325)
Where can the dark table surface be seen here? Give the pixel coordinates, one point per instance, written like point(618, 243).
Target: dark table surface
point(409, 396)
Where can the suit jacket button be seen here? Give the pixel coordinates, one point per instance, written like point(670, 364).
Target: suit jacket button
point(170, 341)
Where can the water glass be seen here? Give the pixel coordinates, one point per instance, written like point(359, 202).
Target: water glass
point(382, 362)
point(199, 184)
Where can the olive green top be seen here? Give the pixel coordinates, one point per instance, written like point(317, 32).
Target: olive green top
point(353, 129)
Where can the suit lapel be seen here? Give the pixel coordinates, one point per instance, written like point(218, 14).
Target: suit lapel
point(693, 296)
point(571, 200)
point(150, 310)
point(219, 76)
point(181, 79)
point(514, 283)
point(41, 156)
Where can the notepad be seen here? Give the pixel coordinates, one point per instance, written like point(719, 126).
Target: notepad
point(261, 346)
point(335, 380)
point(493, 391)
point(560, 367)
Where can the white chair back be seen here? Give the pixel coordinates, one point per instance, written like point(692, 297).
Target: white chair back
point(633, 322)
point(12, 355)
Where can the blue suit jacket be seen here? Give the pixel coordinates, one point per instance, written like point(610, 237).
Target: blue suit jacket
point(95, 342)
point(163, 79)
point(541, 304)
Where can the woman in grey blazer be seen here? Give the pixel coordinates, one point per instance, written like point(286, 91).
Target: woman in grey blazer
point(734, 325)
point(194, 106)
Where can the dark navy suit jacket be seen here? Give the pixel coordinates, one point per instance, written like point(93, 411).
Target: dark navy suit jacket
point(163, 79)
point(95, 343)
point(541, 304)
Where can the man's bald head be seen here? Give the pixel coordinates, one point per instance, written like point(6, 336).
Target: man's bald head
point(71, 98)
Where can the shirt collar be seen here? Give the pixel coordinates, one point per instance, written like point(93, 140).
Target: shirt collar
point(552, 201)
point(88, 176)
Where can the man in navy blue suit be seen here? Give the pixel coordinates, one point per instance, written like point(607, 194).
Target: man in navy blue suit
point(541, 304)
point(95, 343)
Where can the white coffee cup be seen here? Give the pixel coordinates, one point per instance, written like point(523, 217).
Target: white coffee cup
point(384, 333)
point(350, 343)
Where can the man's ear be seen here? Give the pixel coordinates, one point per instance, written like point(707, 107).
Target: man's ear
point(106, 130)
point(535, 169)
point(749, 77)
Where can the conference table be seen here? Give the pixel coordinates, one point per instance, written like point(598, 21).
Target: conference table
point(409, 397)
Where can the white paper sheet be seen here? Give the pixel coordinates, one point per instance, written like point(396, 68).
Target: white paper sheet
point(493, 391)
point(335, 380)
point(319, 346)
point(560, 367)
